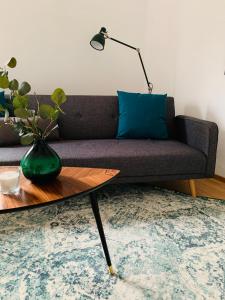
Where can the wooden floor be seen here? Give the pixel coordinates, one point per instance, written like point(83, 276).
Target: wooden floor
point(213, 188)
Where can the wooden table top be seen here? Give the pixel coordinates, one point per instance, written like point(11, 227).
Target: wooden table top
point(71, 182)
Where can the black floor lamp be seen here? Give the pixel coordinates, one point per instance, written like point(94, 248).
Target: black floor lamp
point(98, 43)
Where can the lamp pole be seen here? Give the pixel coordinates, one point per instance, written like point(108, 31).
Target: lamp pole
point(104, 34)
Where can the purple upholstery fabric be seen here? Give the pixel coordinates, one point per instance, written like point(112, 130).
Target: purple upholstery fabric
point(156, 178)
point(96, 117)
point(89, 117)
point(88, 133)
point(8, 137)
point(132, 157)
point(201, 135)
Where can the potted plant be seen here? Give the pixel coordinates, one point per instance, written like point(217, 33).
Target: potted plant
point(41, 163)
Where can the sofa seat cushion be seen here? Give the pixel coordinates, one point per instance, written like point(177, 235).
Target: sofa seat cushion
point(132, 157)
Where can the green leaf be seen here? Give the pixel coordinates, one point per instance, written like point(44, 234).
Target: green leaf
point(21, 113)
point(4, 82)
point(13, 85)
point(55, 115)
point(24, 88)
point(20, 101)
point(12, 62)
point(46, 111)
point(58, 96)
point(27, 139)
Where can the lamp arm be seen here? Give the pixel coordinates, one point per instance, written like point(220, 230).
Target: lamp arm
point(149, 84)
point(132, 47)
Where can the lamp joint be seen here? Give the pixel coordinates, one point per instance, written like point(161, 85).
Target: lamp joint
point(150, 87)
point(105, 33)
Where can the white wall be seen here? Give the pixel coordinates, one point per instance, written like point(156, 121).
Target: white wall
point(51, 39)
point(199, 87)
point(182, 43)
point(161, 44)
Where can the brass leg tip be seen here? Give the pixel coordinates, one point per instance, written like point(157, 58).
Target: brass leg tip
point(111, 271)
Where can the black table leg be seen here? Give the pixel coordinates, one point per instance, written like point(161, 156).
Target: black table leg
point(95, 208)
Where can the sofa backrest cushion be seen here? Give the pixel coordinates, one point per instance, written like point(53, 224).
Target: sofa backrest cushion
point(170, 119)
point(95, 117)
point(8, 136)
point(89, 117)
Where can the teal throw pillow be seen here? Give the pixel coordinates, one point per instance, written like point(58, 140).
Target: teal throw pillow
point(142, 116)
point(2, 102)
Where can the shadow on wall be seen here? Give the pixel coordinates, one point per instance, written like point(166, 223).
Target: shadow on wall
point(220, 165)
point(193, 111)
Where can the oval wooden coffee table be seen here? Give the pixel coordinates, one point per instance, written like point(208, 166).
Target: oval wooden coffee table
point(72, 182)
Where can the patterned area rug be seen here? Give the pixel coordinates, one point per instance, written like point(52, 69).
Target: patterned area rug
point(164, 245)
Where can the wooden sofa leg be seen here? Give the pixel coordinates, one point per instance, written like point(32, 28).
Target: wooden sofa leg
point(192, 187)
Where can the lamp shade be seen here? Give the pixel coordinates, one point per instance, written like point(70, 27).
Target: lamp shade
point(98, 41)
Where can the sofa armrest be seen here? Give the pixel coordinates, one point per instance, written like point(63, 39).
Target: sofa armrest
point(201, 135)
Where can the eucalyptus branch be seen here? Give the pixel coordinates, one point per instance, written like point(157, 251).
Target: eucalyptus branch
point(60, 109)
point(38, 104)
point(26, 121)
point(50, 131)
point(35, 122)
point(45, 133)
point(29, 122)
point(34, 129)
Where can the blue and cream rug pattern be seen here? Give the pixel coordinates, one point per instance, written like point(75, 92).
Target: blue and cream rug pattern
point(164, 245)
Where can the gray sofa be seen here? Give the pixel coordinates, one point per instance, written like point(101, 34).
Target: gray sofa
point(86, 137)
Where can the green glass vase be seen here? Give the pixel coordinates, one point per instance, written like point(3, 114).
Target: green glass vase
point(41, 163)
